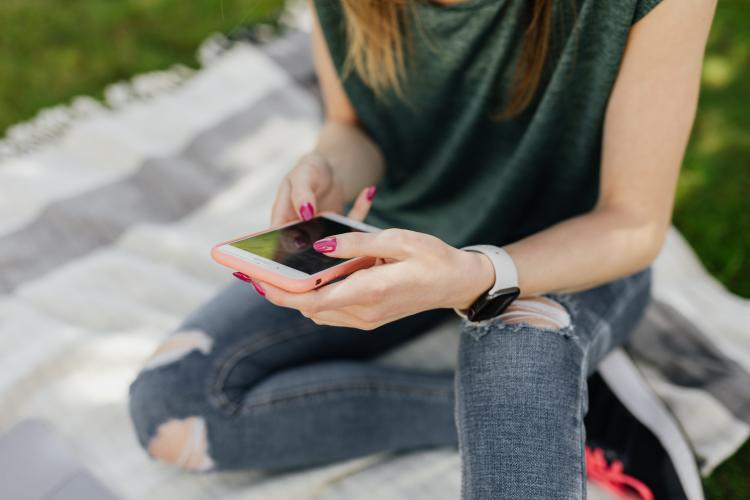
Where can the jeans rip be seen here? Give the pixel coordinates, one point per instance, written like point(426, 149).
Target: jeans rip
point(535, 313)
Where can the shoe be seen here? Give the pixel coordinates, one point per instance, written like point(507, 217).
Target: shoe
point(623, 456)
point(610, 475)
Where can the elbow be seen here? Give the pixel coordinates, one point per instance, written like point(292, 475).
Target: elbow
point(640, 233)
point(652, 242)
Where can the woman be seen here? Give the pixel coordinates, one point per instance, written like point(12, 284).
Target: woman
point(552, 132)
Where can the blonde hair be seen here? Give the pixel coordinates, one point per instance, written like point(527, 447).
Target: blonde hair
point(378, 42)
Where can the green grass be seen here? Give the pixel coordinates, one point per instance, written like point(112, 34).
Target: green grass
point(713, 202)
point(51, 51)
point(713, 199)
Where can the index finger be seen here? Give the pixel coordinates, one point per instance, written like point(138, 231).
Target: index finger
point(332, 296)
point(282, 210)
point(386, 244)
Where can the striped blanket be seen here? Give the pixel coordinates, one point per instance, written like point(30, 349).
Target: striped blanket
point(107, 213)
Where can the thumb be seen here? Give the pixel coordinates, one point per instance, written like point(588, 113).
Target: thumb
point(362, 204)
point(384, 244)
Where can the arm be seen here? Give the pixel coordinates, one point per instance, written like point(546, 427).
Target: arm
point(646, 129)
point(344, 161)
point(355, 159)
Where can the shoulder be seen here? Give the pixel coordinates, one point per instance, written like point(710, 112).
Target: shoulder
point(690, 11)
point(328, 10)
point(643, 7)
point(330, 18)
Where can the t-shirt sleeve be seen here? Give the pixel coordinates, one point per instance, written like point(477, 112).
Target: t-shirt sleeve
point(643, 7)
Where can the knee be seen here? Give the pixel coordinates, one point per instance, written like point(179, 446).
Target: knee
point(534, 316)
point(530, 345)
point(162, 390)
point(181, 441)
point(539, 312)
point(177, 346)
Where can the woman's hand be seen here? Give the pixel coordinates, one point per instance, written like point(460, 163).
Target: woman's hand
point(311, 187)
point(415, 272)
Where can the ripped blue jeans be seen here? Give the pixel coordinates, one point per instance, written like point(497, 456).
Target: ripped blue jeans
point(243, 384)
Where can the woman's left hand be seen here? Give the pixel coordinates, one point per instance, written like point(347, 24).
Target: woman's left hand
point(415, 272)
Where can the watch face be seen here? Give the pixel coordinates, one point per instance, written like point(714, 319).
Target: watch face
point(490, 306)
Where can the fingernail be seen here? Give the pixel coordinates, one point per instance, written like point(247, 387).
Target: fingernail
point(258, 288)
point(242, 276)
point(326, 245)
point(247, 279)
point(371, 192)
point(306, 211)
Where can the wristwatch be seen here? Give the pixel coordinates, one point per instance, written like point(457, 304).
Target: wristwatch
point(505, 290)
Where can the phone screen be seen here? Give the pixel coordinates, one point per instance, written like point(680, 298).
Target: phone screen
point(292, 245)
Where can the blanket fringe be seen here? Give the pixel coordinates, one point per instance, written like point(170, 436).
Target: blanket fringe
point(51, 123)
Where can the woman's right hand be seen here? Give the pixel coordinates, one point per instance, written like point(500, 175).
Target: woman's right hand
point(311, 187)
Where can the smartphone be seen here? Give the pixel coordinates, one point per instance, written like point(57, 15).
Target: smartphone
point(284, 256)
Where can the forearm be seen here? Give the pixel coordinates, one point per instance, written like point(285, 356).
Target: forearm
point(586, 251)
point(355, 159)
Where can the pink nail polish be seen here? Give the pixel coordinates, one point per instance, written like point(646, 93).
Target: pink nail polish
point(247, 279)
point(306, 211)
point(242, 276)
point(371, 192)
point(326, 245)
point(258, 288)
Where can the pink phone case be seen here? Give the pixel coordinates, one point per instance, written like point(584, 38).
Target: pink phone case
point(285, 282)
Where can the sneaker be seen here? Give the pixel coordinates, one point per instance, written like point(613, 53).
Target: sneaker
point(626, 457)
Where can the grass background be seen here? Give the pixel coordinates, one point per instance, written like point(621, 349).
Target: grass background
point(50, 53)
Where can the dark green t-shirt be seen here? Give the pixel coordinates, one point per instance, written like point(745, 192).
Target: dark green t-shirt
point(454, 171)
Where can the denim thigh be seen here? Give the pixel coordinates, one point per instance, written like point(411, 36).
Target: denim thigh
point(239, 352)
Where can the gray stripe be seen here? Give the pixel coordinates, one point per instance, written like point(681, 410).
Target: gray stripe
point(684, 355)
point(160, 190)
point(293, 54)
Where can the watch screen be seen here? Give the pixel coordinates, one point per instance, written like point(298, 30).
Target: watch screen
point(292, 245)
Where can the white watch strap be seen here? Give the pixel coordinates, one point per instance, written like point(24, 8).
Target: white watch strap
point(506, 273)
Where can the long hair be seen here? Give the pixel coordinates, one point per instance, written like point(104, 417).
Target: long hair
point(377, 43)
